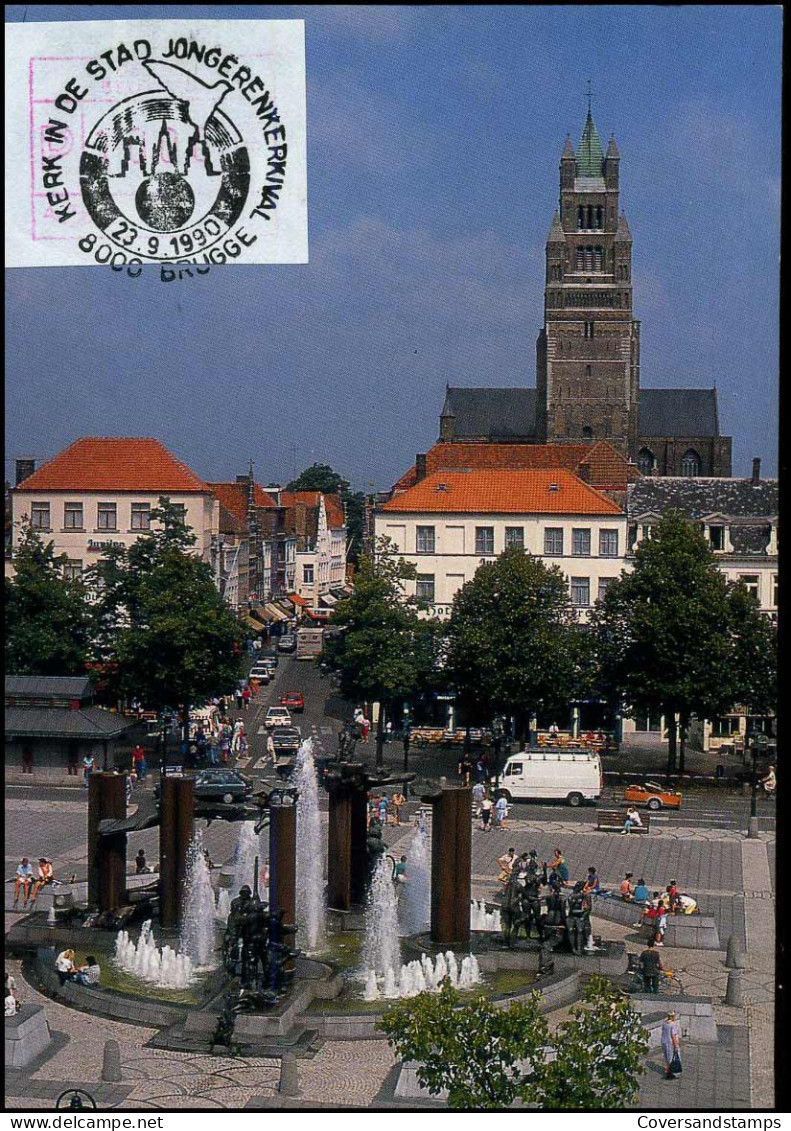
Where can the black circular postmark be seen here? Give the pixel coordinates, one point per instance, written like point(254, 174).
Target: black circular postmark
point(165, 173)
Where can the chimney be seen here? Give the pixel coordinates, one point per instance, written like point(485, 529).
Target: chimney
point(584, 471)
point(420, 466)
point(24, 469)
point(756, 471)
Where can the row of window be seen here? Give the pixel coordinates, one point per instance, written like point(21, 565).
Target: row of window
point(579, 589)
point(691, 463)
point(106, 516)
point(425, 541)
point(590, 217)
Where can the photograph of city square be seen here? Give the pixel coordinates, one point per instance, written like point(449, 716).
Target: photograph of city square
point(392, 584)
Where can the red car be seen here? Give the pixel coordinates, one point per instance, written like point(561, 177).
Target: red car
point(294, 700)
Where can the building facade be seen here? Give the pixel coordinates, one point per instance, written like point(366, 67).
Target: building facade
point(99, 493)
point(451, 522)
point(320, 527)
point(588, 377)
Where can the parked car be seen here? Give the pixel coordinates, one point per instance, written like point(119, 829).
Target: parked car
point(552, 775)
point(286, 739)
point(294, 700)
point(219, 785)
point(287, 643)
point(261, 672)
point(277, 716)
point(653, 796)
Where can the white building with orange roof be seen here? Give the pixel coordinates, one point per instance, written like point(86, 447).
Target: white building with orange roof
point(100, 491)
point(452, 521)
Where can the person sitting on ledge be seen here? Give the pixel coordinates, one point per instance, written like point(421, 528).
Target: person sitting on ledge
point(45, 876)
point(627, 891)
point(140, 862)
point(90, 973)
point(64, 964)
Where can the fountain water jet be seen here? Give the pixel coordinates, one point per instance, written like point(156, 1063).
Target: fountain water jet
point(414, 905)
point(310, 849)
point(381, 948)
point(196, 937)
point(165, 968)
point(223, 907)
point(422, 976)
point(244, 854)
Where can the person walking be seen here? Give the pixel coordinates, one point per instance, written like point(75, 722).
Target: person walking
point(500, 812)
point(670, 1039)
point(650, 967)
point(396, 801)
point(87, 769)
point(382, 809)
point(366, 728)
point(23, 881)
point(270, 748)
point(486, 813)
point(139, 762)
point(246, 696)
point(478, 794)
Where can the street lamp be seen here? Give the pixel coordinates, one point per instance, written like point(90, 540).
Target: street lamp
point(757, 741)
point(497, 743)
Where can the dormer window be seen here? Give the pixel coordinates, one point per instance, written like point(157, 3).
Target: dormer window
point(717, 537)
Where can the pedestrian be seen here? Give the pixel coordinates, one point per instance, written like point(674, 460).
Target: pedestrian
point(506, 863)
point(87, 769)
point(238, 734)
point(632, 821)
point(254, 685)
point(650, 967)
point(478, 794)
point(64, 964)
point(45, 877)
point(239, 697)
point(480, 770)
point(396, 801)
point(501, 812)
point(382, 808)
point(270, 749)
point(560, 867)
point(214, 751)
point(141, 866)
point(670, 1040)
point(627, 891)
point(486, 813)
point(399, 871)
point(90, 973)
point(366, 728)
point(139, 764)
point(23, 881)
point(246, 696)
point(465, 769)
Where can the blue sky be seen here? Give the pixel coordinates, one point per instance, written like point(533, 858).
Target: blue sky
point(434, 135)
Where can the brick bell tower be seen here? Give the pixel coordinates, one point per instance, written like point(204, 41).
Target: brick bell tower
point(588, 352)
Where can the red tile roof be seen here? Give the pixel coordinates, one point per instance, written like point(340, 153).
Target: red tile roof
point(501, 491)
point(609, 469)
point(233, 496)
point(114, 463)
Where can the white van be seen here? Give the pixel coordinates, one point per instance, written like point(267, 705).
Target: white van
point(552, 775)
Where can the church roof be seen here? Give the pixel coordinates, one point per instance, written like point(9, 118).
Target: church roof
point(699, 498)
point(678, 412)
point(495, 414)
point(556, 233)
point(590, 156)
point(568, 148)
point(612, 149)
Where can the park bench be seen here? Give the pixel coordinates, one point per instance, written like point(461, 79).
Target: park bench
point(612, 820)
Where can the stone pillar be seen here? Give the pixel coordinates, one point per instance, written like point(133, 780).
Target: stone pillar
point(339, 847)
point(283, 860)
point(106, 855)
point(451, 866)
point(359, 845)
point(176, 819)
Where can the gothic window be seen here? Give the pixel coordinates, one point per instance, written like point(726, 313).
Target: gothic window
point(599, 223)
point(690, 464)
point(597, 258)
point(580, 217)
point(645, 461)
point(590, 215)
point(588, 329)
point(587, 431)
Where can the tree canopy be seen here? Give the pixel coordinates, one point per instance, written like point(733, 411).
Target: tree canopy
point(485, 1057)
point(160, 618)
point(47, 614)
point(512, 641)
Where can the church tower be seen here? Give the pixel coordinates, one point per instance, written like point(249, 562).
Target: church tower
point(588, 352)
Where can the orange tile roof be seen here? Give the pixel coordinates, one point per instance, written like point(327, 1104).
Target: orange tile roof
point(233, 496)
point(114, 463)
point(609, 469)
point(501, 491)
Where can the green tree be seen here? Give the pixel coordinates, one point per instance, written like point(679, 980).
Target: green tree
point(663, 630)
point(47, 615)
point(485, 1057)
point(386, 649)
point(321, 477)
point(161, 620)
point(512, 641)
point(753, 664)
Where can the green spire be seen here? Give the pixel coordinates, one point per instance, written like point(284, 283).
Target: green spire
point(589, 152)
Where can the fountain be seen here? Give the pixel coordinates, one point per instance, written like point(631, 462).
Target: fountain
point(166, 968)
point(418, 977)
point(310, 850)
point(244, 854)
point(483, 920)
point(196, 937)
point(381, 949)
point(223, 907)
point(414, 906)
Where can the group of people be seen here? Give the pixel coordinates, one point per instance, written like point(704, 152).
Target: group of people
point(492, 814)
point(363, 723)
point(477, 768)
point(89, 974)
point(386, 810)
point(556, 871)
point(28, 883)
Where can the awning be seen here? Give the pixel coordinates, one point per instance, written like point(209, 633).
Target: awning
point(297, 601)
point(341, 594)
point(256, 625)
point(276, 613)
point(328, 600)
